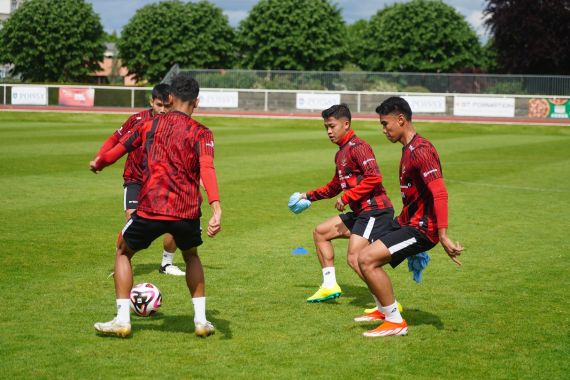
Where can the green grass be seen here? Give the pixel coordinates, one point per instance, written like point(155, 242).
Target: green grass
point(503, 315)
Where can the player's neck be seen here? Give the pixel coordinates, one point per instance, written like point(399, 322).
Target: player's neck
point(408, 136)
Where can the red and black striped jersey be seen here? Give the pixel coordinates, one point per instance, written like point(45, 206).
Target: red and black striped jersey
point(174, 147)
point(419, 166)
point(358, 175)
point(133, 165)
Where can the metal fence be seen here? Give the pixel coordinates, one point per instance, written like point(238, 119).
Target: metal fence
point(380, 82)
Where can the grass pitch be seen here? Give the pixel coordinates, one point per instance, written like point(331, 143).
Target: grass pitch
point(503, 315)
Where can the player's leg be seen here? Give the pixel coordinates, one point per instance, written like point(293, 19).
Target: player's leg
point(323, 234)
point(169, 249)
point(187, 234)
point(137, 234)
point(371, 259)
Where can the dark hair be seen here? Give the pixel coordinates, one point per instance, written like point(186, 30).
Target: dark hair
point(161, 91)
point(395, 104)
point(184, 87)
point(337, 111)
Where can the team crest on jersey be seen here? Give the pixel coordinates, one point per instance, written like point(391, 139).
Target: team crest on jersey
point(343, 162)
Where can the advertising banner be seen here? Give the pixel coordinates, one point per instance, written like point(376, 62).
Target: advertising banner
point(83, 97)
point(36, 96)
point(483, 106)
point(316, 101)
point(218, 99)
point(557, 108)
point(426, 104)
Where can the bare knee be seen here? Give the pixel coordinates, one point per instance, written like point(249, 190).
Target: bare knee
point(352, 260)
point(320, 233)
point(369, 259)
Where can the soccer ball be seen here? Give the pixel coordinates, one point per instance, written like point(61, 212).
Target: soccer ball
point(145, 299)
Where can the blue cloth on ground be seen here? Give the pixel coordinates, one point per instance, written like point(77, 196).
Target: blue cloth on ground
point(297, 204)
point(417, 264)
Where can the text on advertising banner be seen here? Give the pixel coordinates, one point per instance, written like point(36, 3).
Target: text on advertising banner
point(84, 97)
point(307, 101)
point(218, 99)
point(36, 96)
point(483, 106)
point(426, 104)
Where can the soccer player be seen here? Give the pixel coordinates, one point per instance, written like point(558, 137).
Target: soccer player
point(178, 153)
point(133, 173)
point(358, 176)
point(423, 218)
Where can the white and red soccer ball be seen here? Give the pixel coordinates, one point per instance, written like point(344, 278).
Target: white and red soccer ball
point(145, 299)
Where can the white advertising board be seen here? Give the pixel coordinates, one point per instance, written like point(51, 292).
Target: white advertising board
point(426, 104)
point(218, 99)
point(30, 95)
point(483, 106)
point(307, 101)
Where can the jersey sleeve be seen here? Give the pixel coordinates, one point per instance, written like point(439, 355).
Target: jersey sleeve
point(426, 160)
point(327, 191)
point(366, 161)
point(205, 147)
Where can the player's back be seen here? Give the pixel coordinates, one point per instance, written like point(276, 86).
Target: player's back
point(172, 143)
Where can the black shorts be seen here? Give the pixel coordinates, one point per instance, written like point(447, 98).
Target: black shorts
point(371, 225)
point(404, 242)
point(140, 232)
point(130, 199)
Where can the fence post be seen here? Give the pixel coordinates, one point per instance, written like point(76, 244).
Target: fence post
point(266, 105)
point(358, 103)
point(132, 97)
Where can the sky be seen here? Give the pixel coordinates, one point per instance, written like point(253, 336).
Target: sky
point(115, 14)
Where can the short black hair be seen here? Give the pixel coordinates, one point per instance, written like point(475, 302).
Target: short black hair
point(395, 104)
point(184, 87)
point(161, 91)
point(337, 111)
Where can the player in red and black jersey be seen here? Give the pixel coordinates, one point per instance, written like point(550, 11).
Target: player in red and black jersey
point(358, 177)
point(178, 154)
point(134, 169)
point(423, 219)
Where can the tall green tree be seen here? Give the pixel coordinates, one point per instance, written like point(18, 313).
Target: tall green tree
point(292, 35)
point(53, 41)
point(193, 35)
point(355, 42)
point(530, 36)
point(422, 35)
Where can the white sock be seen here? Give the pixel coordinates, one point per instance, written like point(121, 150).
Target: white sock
point(329, 277)
point(378, 304)
point(392, 313)
point(167, 258)
point(123, 310)
point(199, 309)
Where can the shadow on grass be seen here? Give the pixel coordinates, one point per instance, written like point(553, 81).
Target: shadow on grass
point(360, 296)
point(182, 323)
point(139, 269)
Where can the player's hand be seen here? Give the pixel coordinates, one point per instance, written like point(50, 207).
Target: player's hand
point(453, 249)
point(93, 166)
point(215, 223)
point(339, 205)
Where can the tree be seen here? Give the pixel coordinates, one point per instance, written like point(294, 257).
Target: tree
point(422, 35)
point(193, 35)
point(292, 35)
point(530, 36)
point(54, 41)
point(355, 41)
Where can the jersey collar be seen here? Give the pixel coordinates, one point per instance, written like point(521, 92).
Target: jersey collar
point(346, 138)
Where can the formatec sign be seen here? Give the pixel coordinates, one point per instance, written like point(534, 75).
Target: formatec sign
point(29, 95)
point(483, 106)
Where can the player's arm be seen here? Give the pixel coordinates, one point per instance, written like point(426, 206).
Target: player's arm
point(126, 144)
point(364, 156)
point(114, 139)
point(209, 180)
point(327, 191)
point(430, 172)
